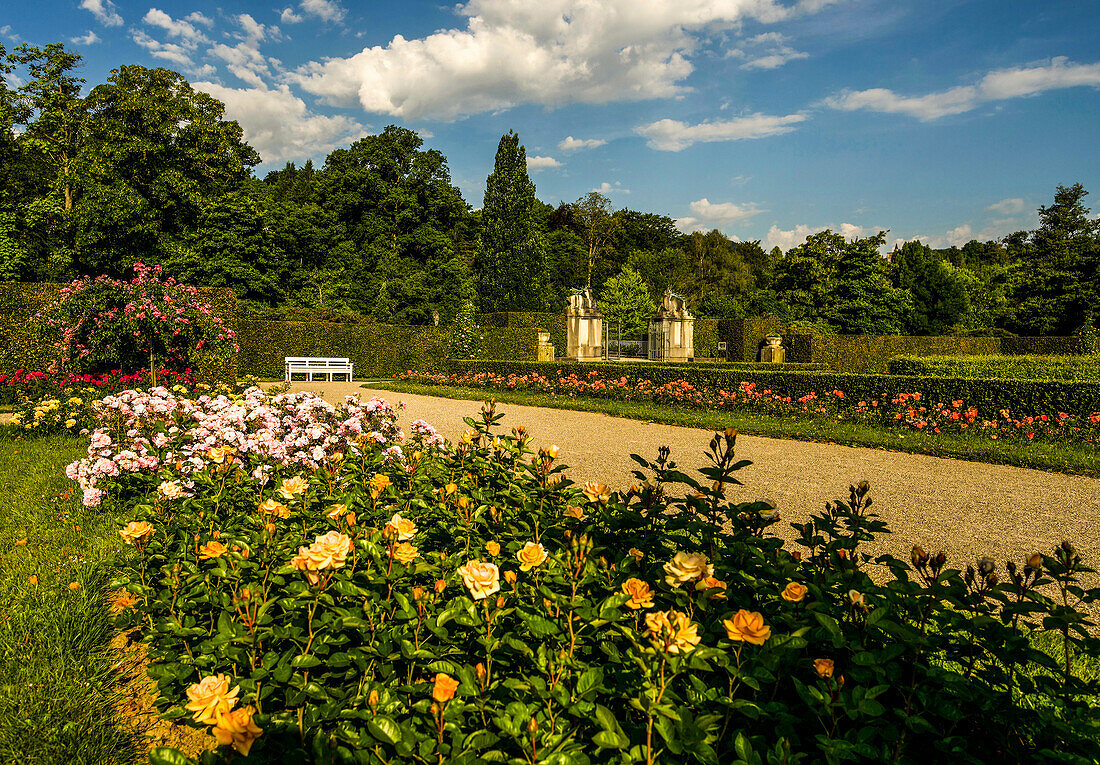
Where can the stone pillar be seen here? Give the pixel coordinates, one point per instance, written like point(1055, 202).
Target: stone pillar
point(672, 331)
point(773, 350)
point(546, 348)
point(583, 327)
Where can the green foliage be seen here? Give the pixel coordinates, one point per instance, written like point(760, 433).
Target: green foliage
point(465, 336)
point(597, 225)
point(937, 298)
point(604, 627)
point(868, 353)
point(625, 299)
point(1015, 367)
point(511, 260)
point(1077, 397)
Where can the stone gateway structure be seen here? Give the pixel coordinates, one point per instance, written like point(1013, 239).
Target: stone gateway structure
point(672, 331)
point(583, 327)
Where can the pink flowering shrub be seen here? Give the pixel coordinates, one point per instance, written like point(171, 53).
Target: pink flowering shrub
point(148, 322)
point(143, 432)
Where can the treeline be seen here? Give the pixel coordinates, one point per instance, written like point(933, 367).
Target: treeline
point(145, 168)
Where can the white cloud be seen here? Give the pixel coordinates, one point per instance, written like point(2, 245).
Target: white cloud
point(673, 135)
point(768, 50)
point(995, 86)
point(708, 215)
point(774, 60)
point(576, 144)
point(551, 52)
point(279, 125)
point(176, 53)
point(104, 12)
point(288, 16)
point(326, 10)
point(86, 39)
point(541, 163)
point(183, 30)
point(245, 59)
point(787, 239)
point(606, 188)
point(196, 17)
point(1013, 206)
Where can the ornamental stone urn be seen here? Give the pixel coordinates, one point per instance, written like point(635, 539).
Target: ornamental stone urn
point(773, 351)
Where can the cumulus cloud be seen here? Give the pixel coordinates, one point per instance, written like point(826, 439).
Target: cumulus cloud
point(104, 12)
point(995, 86)
point(769, 50)
point(606, 188)
point(326, 10)
point(708, 215)
point(541, 163)
point(245, 59)
point(181, 29)
point(576, 144)
point(789, 238)
point(86, 39)
point(550, 53)
point(1013, 206)
point(288, 16)
point(279, 125)
point(177, 53)
point(674, 135)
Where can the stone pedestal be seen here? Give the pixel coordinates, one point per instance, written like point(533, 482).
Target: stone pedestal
point(546, 348)
point(773, 351)
point(672, 331)
point(583, 328)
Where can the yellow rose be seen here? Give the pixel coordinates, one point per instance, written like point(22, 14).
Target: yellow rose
point(70, 422)
point(444, 688)
point(637, 554)
point(641, 596)
point(481, 579)
point(217, 454)
point(137, 532)
point(401, 528)
point(715, 588)
point(574, 512)
point(274, 507)
point(823, 667)
point(857, 598)
point(747, 626)
point(336, 511)
point(212, 549)
point(794, 592)
point(687, 567)
point(378, 484)
point(237, 729)
point(532, 554)
point(672, 630)
point(493, 548)
point(170, 490)
point(405, 553)
point(596, 492)
point(329, 551)
point(209, 696)
point(292, 487)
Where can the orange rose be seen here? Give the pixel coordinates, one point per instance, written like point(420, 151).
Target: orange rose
point(124, 601)
point(237, 729)
point(641, 596)
point(687, 567)
point(292, 487)
point(823, 667)
point(597, 492)
point(212, 549)
point(857, 598)
point(794, 592)
point(481, 579)
point(715, 588)
point(637, 554)
point(747, 626)
point(210, 696)
point(405, 553)
point(510, 576)
point(336, 511)
point(574, 512)
point(137, 532)
point(274, 507)
point(378, 484)
point(672, 630)
point(401, 528)
point(493, 548)
point(532, 554)
point(444, 688)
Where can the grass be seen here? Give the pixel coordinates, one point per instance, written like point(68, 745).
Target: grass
point(58, 686)
point(1077, 459)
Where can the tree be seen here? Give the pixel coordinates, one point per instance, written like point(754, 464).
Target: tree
point(597, 224)
point(511, 264)
point(1056, 285)
point(625, 298)
point(937, 299)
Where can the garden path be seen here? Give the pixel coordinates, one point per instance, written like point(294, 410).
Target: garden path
point(967, 509)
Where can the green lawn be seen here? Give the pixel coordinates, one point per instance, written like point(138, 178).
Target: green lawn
point(1080, 459)
point(57, 682)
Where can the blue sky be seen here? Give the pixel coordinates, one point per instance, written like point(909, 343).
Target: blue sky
point(943, 120)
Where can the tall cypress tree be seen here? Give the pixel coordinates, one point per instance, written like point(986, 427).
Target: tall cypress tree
point(511, 259)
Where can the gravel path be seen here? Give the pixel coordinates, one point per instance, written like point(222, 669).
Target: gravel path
point(967, 509)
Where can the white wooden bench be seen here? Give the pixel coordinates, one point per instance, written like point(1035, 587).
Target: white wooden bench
point(306, 365)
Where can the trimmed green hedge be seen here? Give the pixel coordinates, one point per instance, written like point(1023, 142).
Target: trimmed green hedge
point(1020, 397)
point(554, 323)
point(20, 348)
point(871, 354)
point(1015, 367)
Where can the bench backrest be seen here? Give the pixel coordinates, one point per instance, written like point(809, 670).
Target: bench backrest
point(312, 361)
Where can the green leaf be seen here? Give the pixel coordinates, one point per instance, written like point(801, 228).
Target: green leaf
point(305, 662)
point(165, 755)
point(384, 729)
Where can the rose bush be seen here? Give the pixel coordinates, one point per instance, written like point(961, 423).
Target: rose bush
point(663, 623)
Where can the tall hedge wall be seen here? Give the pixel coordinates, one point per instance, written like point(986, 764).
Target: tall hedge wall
point(1018, 396)
point(554, 323)
point(1015, 367)
point(871, 354)
point(20, 348)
